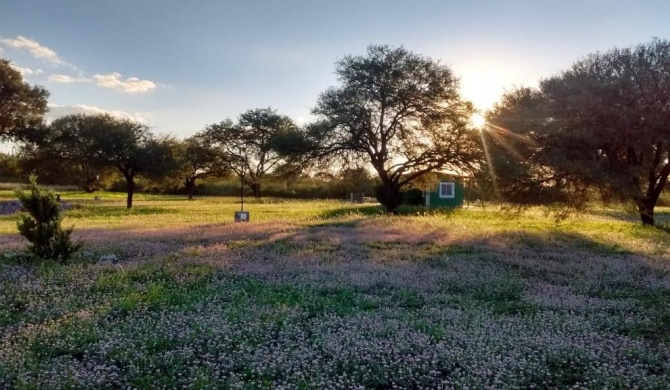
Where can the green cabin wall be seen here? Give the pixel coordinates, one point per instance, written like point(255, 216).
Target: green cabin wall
point(456, 201)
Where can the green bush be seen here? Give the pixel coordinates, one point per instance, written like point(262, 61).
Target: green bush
point(40, 224)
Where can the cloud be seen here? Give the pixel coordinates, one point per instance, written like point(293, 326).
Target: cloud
point(112, 80)
point(130, 85)
point(65, 79)
point(37, 50)
point(57, 111)
point(26, 71)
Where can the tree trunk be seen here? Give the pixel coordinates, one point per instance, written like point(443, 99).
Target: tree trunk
point(646, 208)
point(190, 188)
point(391, 196)
point(91, 184)
point(256, 189)
point(130, 180)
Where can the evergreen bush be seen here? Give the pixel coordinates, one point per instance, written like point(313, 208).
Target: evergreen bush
point(40, 224)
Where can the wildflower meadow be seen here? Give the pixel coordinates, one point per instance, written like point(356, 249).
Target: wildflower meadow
point(327, 295)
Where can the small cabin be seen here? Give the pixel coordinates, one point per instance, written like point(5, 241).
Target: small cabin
point(448, 192)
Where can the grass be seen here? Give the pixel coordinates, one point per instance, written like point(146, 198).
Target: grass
point(322, 294)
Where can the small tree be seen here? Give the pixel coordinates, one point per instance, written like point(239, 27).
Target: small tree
point(41, 225)
point(197, 159)
point(251, 144)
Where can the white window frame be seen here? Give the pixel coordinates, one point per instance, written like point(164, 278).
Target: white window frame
point(446, 195)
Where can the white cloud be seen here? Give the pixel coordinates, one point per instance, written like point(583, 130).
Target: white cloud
point(65, 79)
point(37, 50)
point(130, 85)
point(57, 111)
point(112, 80)
point(24, 71)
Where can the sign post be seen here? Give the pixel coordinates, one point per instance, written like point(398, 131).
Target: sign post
point(242, 216)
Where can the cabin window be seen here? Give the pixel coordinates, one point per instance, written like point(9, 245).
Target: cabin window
point(447, 189)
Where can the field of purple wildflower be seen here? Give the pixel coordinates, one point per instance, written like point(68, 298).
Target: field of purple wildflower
point(322, 295)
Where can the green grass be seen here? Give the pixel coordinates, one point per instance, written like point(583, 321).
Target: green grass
point(311, 294)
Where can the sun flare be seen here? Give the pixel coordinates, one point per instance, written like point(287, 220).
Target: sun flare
point(477, 121)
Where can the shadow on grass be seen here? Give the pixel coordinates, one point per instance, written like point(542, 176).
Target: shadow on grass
point(661, 217)
point(494, 272)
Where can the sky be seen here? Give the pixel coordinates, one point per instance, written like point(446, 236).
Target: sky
point(181, 65)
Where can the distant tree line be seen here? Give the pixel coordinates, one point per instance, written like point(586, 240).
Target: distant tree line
point(599, 129)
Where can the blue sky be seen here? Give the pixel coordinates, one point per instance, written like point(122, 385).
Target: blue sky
point(180, 65)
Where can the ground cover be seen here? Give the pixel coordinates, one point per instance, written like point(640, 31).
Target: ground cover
point(325, 295)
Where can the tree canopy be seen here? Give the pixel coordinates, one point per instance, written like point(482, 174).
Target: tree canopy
point(21, 106)
point(98, 142)
point(602, 124)
point(197, 159)
point(398, 111)
point(69, 145)
point(250, 144)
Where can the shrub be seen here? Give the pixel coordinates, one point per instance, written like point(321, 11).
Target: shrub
point(411, 197)
point(41, 225)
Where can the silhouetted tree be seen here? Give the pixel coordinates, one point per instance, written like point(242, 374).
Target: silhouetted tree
point(602, 124)
point(400, 112)
point(249, 144)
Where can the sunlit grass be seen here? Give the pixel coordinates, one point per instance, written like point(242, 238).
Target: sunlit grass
point(325, 294)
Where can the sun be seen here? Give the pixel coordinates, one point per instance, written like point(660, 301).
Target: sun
point(477, 121)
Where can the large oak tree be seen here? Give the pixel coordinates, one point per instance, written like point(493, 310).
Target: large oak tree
point(400, 112)
point(602, 124)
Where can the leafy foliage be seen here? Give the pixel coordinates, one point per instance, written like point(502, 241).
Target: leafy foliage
point(400, 112)
point(96, 144)
point(198, 159)
point(69, 146)
point(251, 144)
point(21, 106)
point(41, 225)
point(602, 124)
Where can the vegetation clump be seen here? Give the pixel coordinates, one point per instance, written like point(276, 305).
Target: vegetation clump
point(41, 225)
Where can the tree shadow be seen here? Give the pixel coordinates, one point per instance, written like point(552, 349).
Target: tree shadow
point(661, 217)
point(511, 273)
